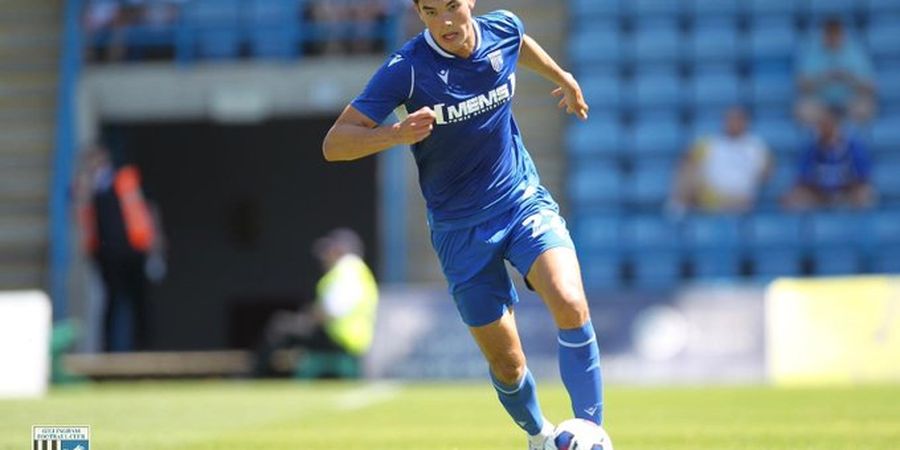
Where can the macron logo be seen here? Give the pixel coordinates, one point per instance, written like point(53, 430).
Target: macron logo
point(395, 60)
point(592, 410)
point(474, 106)
point(444, 75)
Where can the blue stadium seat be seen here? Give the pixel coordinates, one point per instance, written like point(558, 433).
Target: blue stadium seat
point(275, 42)
point(592, 9)
point(595, 186)
point(886, 260)
point(774, 231)
point(775, 262)
point(715, 89)
point(772, 89)
point(828, 8)
point(834, 230)
point(715, 41)
point(215, 28)
point(876, 8)
point(782, 136)
point(886, 134)
point(883, 229)
point(601, 270)
point(650, 232)
point(212, 13)
point(772, 41)
point(272, 12)
point(889, 83)
point(656, 269)
point(653, 8)
point(782, 179)
point(598, 233)
point(836, 261)
point(657, 135)
point(785, 8)
point(704, 9)
point(886, 179)
point(706, 123)
point(599, 136)
point(713, 232)
point(595, 47)
point(883, 37)
point(657, 89)
point(656, 41)
point(719, 264)
point(601, 90)
point(222, 43)
point(650, 183)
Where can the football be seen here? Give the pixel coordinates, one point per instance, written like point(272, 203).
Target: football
point(580, 434)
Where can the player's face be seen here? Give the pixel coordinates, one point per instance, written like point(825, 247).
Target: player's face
point(450, 24)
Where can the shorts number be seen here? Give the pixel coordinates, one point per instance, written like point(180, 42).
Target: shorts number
point(544, 221)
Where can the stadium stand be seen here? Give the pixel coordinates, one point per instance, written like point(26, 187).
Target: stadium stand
point(668, 69)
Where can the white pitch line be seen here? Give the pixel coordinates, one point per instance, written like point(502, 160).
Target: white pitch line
point(366, 396)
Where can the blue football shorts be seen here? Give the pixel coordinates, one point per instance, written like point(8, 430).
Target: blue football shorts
point(473, 258)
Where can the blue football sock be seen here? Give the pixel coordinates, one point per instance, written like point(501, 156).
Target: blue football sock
point(579, 367)
point(521, 402)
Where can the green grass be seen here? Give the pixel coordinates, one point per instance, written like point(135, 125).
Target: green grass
point(282, 415)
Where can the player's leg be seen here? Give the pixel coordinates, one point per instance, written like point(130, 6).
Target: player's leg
point(556, 277)
point(500, 344)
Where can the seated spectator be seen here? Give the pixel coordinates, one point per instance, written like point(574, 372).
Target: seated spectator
point(835, 72)
point(722, 173)
point(833, 171)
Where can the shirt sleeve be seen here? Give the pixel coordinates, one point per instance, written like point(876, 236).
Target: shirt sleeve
point(390, 87)
point(510, 19)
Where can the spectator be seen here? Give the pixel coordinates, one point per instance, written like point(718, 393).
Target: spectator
point(722, 173)
point(835, 72)
point(342, 319)
point(833, 171)
point(121, 234)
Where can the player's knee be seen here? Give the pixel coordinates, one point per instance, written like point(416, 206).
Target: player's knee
point(508, 370)
point(572, 308)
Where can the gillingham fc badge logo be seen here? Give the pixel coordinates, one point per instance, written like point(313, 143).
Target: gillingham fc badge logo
point(61, 437)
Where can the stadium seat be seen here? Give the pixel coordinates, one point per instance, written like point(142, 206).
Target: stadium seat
point(883, 229)
point(782, 179)
point(650, 183)
point(657, 135)
point(886, 260)
point(601, 270)
point(275, 42)
point(831, 229)
point(715, 89)
point(883, 37)
point(223, 43)
point(781, 135)
point(877, 8)
point(656, 41)
point(704, 9)
point(772, 89)
point(767, 231)
point(705, 123)
point(886, 134)
point(600, 135)
point(272, 12)
point(214, 26)
point(595, 186)
point(889, 84)
point(886, 180)
point(772, 42)
point(657, 89)
point(775, 262)
point(653, 8)
point(212, 13)
point(715, 41)
point(786, 8)
point(836, 261)
point(713, 232)
point(597, 232)
point(589, 10)
point(601, 90)
point(592, 47)
point(828, 8)
point(718, 264)
point(656, 269)
point(650, 232)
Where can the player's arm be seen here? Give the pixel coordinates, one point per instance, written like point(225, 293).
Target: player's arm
point(534, 57)
point(354, 135)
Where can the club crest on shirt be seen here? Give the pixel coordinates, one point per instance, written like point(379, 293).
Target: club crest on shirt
point(496, 58)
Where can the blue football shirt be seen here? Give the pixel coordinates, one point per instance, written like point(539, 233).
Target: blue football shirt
point(474, 164)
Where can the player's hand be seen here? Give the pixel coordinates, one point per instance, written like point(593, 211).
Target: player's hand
point(416, 127)
point(571, 98)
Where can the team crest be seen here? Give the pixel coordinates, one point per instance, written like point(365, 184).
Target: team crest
point(496, 58)
point(64, 437)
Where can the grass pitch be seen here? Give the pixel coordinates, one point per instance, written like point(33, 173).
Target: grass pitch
point(246, 415)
